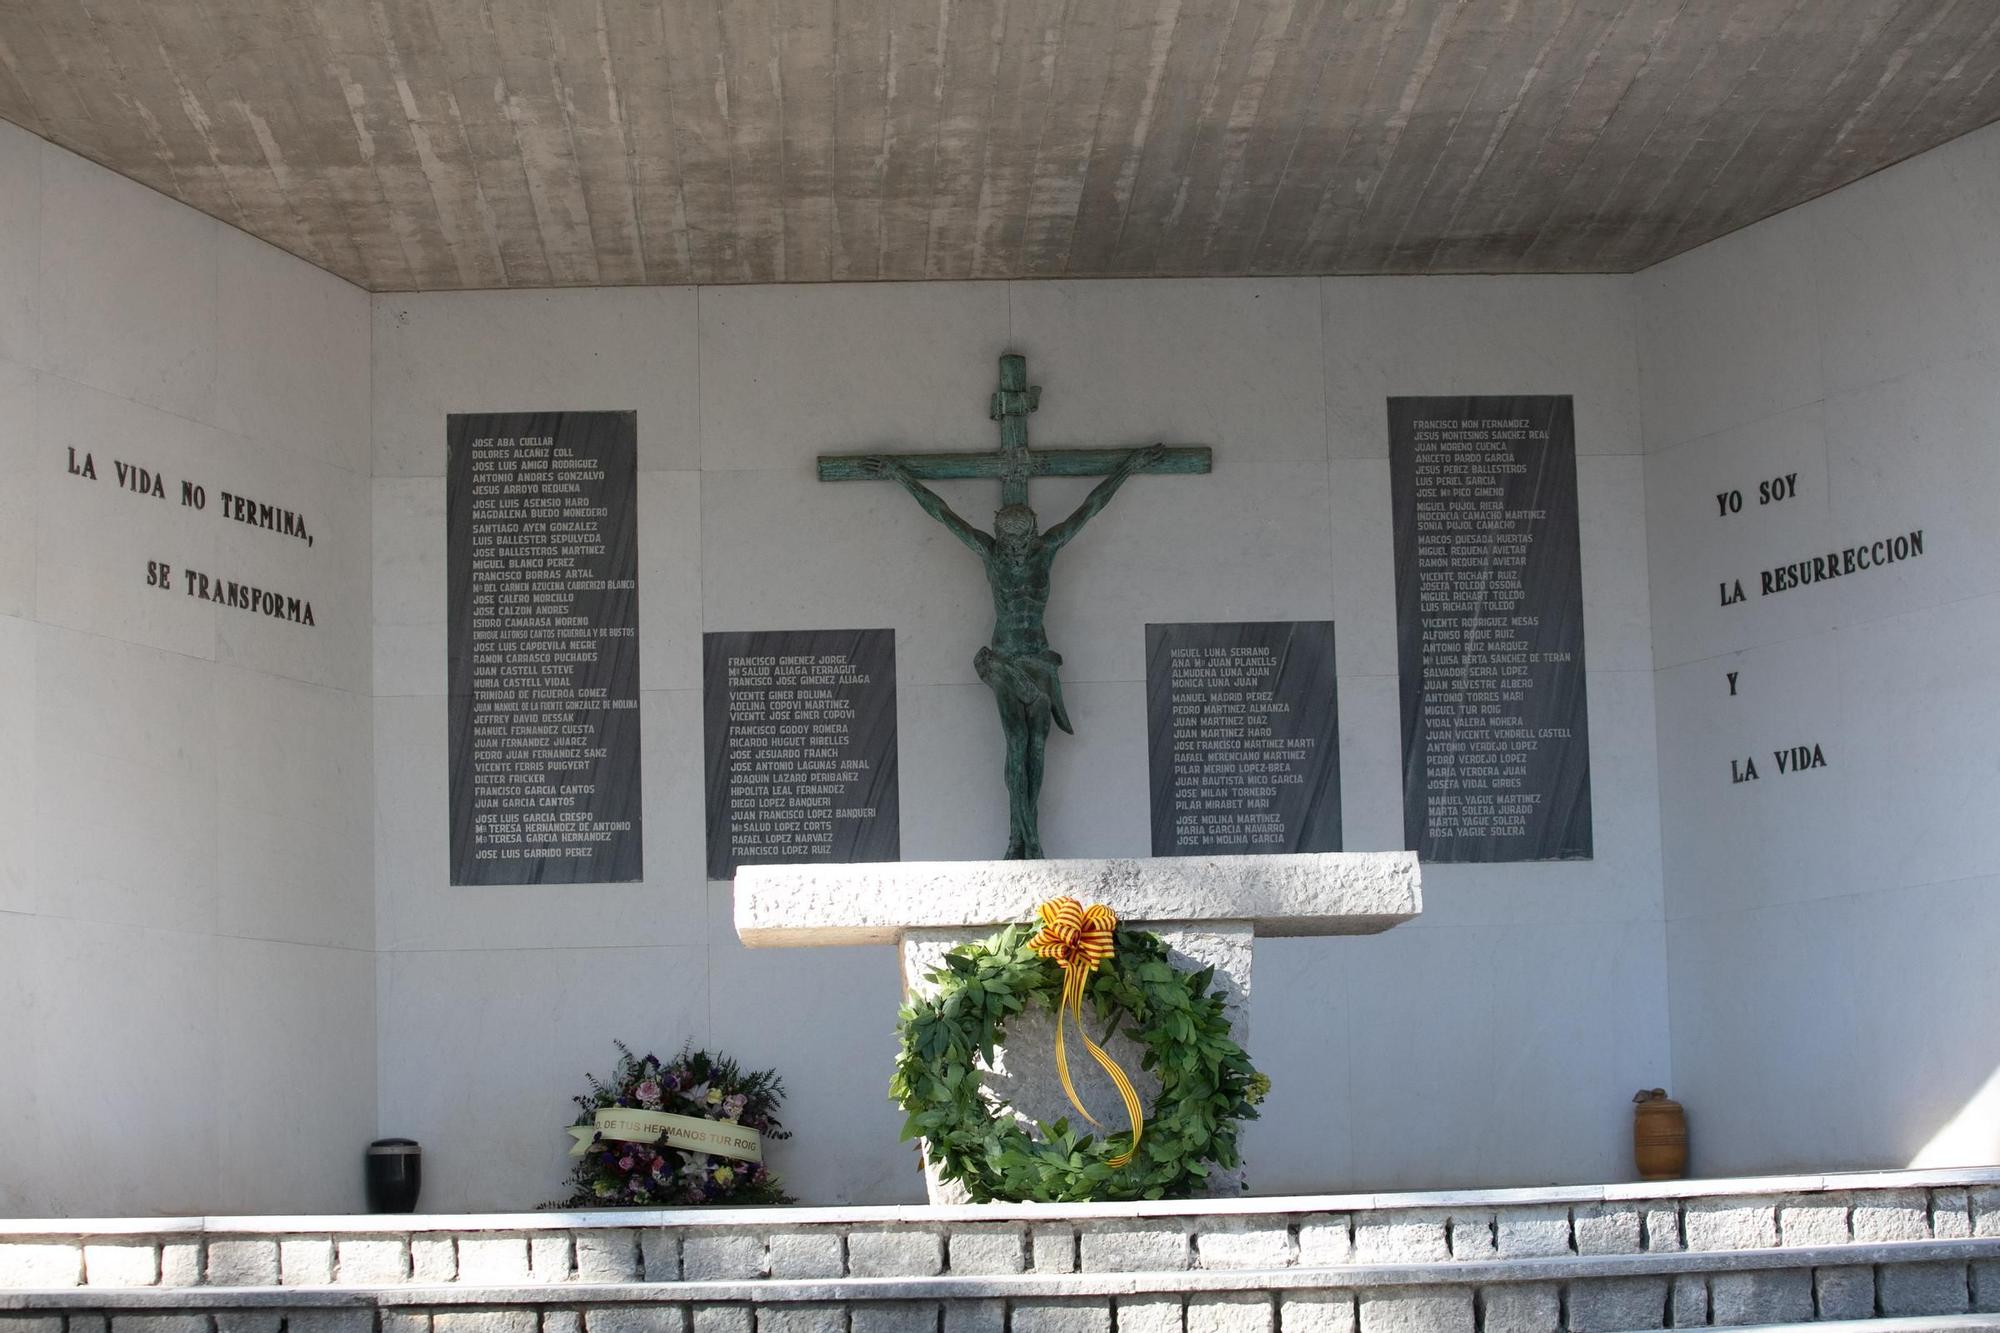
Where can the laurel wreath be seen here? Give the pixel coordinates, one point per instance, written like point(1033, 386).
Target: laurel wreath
point(1207, 1084)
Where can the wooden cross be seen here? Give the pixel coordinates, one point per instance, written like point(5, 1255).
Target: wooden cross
point(1014, 463)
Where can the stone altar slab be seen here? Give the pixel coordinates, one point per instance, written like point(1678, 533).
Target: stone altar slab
point(1208, 910)
point(1303, 893)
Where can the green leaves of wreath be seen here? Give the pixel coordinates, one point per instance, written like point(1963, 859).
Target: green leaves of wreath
point(1207, 1084)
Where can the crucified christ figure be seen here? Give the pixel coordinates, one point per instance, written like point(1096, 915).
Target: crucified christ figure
point(1018, 665)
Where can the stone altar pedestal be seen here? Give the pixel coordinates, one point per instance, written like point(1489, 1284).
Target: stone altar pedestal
point(1209, 911)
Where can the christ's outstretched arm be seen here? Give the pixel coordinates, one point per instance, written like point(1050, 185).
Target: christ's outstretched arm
point(1093, 504)
point(932, 502)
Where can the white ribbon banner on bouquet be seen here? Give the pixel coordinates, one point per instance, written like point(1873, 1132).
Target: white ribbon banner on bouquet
point(723, 1138)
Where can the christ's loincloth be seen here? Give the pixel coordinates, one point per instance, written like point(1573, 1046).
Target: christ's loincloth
point(1027, 679)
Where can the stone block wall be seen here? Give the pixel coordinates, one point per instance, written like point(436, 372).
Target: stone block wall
point(1910, 1245)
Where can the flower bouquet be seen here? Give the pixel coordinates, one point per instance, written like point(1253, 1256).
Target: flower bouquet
point(666, 1134)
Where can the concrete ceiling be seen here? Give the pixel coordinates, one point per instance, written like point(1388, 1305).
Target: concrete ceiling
point(424, 144)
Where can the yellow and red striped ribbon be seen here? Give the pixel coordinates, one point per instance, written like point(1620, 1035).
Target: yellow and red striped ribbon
point(1079, 938)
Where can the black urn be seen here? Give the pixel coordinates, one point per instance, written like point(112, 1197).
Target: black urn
point(395, 1175)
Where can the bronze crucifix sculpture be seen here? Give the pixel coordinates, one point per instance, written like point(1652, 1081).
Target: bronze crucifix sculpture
point(1018, 665)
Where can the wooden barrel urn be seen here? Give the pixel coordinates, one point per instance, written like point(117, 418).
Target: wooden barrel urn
point(1659, 1135)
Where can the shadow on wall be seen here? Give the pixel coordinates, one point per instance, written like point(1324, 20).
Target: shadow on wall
point(1972, 1136)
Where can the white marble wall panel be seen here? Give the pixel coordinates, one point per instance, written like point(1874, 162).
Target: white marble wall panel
point(613, 349)
point(1228, 363)
point(168, 813)
point(1276, 532)
point(19, 678)
point(1783, 1010)
point(1912, 948)
point(284, 878)
point(125, 758)
point(1918, 452)
point(1371, 763)
point(1505, 1055)
point(1893, 285)
point(1091, 799)
point(676, 826)
point(147, 999)
point(481, 1051)
point(206, 1029)
point(788, 373)
point(1816, 920)
point(959, 809)
point(1390, 337)
point(1919, 732)
point(411, 751)
point(1784, 837)
point(1729, 332)
point(412, 641)
point(128, 288)
point(20, 1093)
point(769, 1008)
point(1617, 628)
point(954, 802)
point(1299, 1010)
point(292, 356)
point(1363, 573)
point(334, 572)
point(1972, 177)
point(1697, 549)
point(21, 448)
point(118, 842)
point(95, 538)
point(670, 594)
point(1764, 1015)
point(20, 244)
point(274, 1001)
point(292, 749)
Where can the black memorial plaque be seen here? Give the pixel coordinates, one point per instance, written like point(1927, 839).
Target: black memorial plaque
point(1245, 738)
point(801, 741)
point(1489, 611)
point(544, 612)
